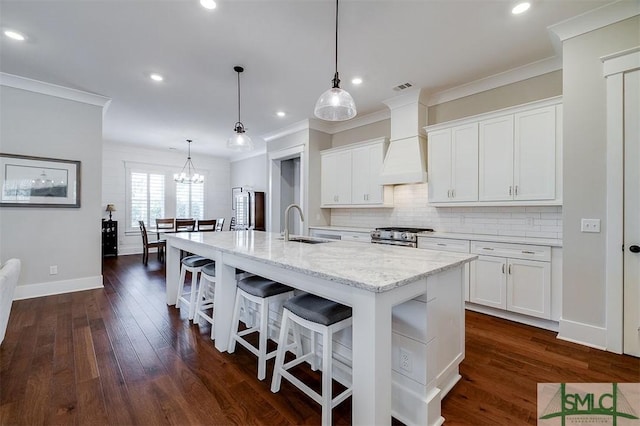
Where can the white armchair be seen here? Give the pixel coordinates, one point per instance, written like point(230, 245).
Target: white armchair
point(9, 275)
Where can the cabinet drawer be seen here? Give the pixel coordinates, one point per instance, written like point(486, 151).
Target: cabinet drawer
point(514, 251)
point(443, 244)
point(359, 237)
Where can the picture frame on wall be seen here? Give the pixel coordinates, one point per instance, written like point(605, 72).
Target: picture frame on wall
point(27, 181)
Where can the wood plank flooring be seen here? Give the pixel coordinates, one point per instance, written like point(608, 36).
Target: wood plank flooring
point(121, 356)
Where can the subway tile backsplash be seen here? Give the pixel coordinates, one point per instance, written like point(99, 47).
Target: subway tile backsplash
point(411, 209)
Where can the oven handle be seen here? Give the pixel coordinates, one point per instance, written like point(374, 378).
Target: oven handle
point(395, 243)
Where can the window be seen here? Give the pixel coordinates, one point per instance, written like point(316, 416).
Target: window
point(190, 200)
point(147, 198)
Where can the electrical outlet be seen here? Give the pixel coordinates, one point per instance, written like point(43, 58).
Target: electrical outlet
point(590, 225)
point(53, 270)
point(405, 360)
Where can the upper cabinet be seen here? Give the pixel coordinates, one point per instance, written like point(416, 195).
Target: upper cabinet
point(453, 164)
point(510, 157)
point(350, 176)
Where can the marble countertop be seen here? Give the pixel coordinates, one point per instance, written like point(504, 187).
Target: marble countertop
point(372, 267)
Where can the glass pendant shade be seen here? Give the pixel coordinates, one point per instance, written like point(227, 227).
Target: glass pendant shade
point(240, 141)
point(335, 104)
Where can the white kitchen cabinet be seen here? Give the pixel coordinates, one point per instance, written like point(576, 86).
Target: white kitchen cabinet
point(453, 164)
point(350, 176)
point(336, 178)
point(507, 157)
point(518, 156)
point(513, 277)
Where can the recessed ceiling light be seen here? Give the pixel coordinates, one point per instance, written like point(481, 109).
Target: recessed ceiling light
point(281, 113)
point(156, 77)
point(14, 35)
point(356, 81)
point(521, 8)
point(208, 4)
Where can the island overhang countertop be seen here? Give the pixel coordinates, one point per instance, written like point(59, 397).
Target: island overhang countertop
point(371, 267)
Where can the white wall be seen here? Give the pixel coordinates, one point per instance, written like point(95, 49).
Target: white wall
point(584, 292)
point(217, 184)
point(250, 172)
point(49, 126)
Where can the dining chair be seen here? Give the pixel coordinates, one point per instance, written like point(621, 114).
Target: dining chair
point(146, 245)
point(219, 224)
point(167, 224)
point(232, 224)
point(185, 225)
point(206, 225)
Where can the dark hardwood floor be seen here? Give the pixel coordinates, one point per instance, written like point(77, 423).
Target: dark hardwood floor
point(121, 356)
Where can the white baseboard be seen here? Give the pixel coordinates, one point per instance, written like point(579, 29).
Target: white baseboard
point(513, 316)
point(57, 287)
point(583, 334)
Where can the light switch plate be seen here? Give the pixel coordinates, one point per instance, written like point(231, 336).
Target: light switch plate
point(590, 225)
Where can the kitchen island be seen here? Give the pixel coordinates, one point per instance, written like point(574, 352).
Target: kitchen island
point(372, 279)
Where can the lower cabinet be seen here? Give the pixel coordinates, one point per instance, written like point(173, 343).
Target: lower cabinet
point(450, 245)
point(513, 277)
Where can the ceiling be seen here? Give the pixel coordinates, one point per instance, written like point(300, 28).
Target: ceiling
point(109, 47)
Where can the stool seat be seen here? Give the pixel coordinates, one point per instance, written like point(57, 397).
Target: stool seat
point(195, 261)
point(209, 269)
point(317, 309)
point(262, 287)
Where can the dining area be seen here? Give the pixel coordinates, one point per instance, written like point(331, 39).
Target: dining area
point(164, 226)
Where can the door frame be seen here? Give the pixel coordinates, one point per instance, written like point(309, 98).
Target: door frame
point(613, 68)
point(275, 173)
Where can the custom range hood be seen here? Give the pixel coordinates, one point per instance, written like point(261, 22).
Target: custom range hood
point(406, 159)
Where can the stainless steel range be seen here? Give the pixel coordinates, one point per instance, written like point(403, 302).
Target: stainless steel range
point(397, 236)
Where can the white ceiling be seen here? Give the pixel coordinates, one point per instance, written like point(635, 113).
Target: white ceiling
point(110, 47)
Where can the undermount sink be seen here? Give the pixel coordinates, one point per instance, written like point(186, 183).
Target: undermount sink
point(306, 240)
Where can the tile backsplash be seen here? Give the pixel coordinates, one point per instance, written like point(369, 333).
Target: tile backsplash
point(411, 209)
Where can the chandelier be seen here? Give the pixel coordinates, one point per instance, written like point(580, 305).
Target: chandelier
point(188, 174)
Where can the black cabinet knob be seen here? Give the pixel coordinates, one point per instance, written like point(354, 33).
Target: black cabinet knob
point(634, 249)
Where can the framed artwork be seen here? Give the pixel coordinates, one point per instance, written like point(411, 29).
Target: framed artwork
point(27, 181)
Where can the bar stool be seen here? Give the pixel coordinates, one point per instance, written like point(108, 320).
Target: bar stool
point(206, 293)
point(262, 292)
point(194, 265)
point(318, 315)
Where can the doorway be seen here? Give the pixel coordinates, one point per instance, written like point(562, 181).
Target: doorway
point(286, 183)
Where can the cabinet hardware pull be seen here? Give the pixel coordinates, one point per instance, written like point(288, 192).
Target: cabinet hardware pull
point(453, 193)
point(448, 193)
point(487, 248)
point(510, 190)
point(503, 268)
point(509, 269)
point(528, 252)
point(441, 244)
point(516, 189)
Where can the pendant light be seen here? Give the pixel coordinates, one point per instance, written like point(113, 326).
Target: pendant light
point(188, 174)
point(240, 141)
point(335, 104)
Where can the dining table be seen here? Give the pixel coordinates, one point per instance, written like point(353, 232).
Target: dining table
point(369, 278)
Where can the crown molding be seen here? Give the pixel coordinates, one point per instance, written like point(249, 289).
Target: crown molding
point(595, 19)
point(411, 96)
point(515, 75)
point(370, 118)
point(18, 82)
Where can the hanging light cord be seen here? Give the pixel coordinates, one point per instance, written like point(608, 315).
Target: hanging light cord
point(336, 80)
point(238, 96)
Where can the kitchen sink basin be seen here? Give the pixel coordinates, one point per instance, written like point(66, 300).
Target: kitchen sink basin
point(306, 240)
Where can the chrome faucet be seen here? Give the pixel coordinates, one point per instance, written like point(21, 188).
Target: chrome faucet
point(286, 219)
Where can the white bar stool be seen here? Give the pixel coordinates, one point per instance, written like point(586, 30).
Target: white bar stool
point(206, 293)
point(262, 292)
point(194, 265)
point(318, 315)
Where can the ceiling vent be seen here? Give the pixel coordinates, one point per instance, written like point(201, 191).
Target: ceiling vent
point(402, 86)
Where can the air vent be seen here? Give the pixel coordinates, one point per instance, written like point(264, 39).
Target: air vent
point(402, 86)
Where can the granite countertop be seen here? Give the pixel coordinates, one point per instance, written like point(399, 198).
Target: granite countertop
point(372, 267)
point(494, 238)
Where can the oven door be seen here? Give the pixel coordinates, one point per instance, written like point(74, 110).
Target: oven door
point(395, 243)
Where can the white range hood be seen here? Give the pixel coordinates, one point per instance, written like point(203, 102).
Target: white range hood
point(406, 159)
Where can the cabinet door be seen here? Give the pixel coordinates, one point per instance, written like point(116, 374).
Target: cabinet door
point(366, 166)
point(335, 186)
point(496, 159)
point(529, 287)
point(439, 167)
point(488, 281)
point(535, 155)
point(464, 163)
